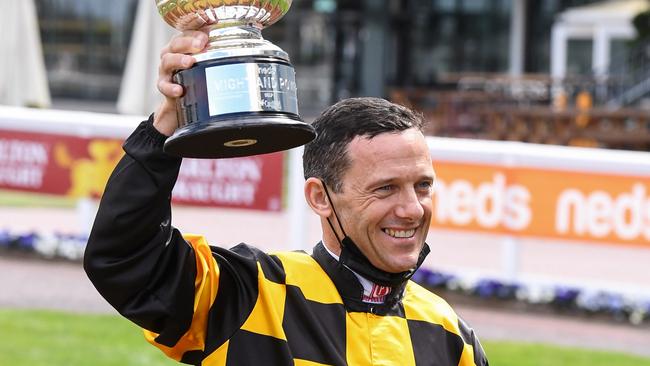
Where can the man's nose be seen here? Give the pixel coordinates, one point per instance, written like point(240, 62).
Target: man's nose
point(409, 206)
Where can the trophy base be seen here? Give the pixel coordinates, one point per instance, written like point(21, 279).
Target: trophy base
point(237, 106)
point(239, 135)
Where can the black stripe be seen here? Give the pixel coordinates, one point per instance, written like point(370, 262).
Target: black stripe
point(273, 269)
point(470, 338)
point(237, 294)
point(247, 348)
point(397, 310)
point(315, 331)
point(433, 345)
point(173, 282)
point(192, 357)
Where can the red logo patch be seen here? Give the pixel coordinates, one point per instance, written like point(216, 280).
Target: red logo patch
point(379, 291)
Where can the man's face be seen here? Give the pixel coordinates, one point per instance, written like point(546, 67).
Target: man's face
point(385, 205)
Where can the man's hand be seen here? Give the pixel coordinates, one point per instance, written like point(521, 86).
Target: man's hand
point(174, 57)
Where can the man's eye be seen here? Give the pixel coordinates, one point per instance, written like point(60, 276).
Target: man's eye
point(386, 188)
point(426, 185)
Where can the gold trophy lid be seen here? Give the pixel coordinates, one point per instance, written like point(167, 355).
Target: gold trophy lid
point(195, 14)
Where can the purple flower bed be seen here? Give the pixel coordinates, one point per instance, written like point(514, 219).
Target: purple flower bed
point(558, 297)
point(50, 246)
point(617, 306)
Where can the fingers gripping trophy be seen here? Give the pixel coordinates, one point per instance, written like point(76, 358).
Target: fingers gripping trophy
point(240, 97)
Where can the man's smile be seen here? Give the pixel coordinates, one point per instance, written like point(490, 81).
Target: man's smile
point(396, 233)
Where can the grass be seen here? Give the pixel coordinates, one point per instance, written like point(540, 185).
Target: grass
point(34, 338)
point(26, 199)
point(530, 354)
point(51, 338)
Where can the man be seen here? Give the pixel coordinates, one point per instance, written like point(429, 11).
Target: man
point(368, 176)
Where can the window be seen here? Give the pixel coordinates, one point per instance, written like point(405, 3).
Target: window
point(85, 44)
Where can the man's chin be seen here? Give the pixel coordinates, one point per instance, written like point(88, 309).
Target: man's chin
point(400, 267)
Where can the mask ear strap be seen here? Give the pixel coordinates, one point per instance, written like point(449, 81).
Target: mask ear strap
point(336, 215)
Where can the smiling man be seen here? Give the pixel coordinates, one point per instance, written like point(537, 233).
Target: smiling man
point(375, 161)
point(369, 178)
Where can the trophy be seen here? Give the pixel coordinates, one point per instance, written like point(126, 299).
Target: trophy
point(240, 96)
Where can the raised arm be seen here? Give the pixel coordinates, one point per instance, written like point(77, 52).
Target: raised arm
point(141, 264)
point(132, 233)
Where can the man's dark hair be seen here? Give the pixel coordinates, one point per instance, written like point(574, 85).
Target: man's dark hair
point(326, 156)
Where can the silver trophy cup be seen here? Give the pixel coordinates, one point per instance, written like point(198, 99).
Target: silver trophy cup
point(240, 97)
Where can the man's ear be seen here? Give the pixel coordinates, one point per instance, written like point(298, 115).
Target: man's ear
point(317, 198)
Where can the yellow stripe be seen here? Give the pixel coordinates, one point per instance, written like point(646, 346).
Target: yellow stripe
point(315, 285)
point(390, 340)
point(206, 286)
point(218, 357)
point(467, 357)
point(266, 317)
point(357, 340)
point(421, 304)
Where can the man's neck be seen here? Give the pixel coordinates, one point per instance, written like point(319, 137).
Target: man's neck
point(372, 292)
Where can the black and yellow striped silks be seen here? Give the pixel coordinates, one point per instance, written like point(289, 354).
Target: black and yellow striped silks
point(291, 308)
point(208, 305)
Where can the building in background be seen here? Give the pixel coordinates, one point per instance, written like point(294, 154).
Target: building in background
point(85, 45)
point(451, 59)
point(345, 47)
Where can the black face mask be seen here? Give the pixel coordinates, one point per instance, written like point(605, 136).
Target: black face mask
point(354, 259)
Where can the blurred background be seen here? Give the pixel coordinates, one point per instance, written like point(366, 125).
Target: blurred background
point(449, 59)
point(538, 120)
